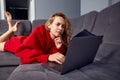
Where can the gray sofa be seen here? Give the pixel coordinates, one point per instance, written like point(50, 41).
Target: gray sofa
point(106, 65)
point(8, 62)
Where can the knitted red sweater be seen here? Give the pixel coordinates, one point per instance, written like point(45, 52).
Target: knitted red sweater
point(35, 48)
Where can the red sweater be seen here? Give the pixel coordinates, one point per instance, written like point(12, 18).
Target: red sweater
point(35, 48)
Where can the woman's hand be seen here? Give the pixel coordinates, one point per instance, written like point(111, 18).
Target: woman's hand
point(58, 42)
point(57, 57)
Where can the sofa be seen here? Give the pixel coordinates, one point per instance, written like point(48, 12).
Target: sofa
point(106, 64)
point(8, 62)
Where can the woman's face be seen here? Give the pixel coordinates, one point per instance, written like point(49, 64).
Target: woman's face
point(57, 27)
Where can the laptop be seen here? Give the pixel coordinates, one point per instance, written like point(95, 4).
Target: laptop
point(81, 52)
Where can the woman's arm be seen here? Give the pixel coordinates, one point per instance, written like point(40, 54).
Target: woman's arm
point(32, 49)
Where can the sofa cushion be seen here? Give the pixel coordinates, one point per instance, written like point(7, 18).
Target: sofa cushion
point(108, 25)
point(8, 59)
point(6, 71)
point(102, 71)
point(38, 72)
point(108, 53)
point(86, 21)
point(23, 29)
point(95, 71)
point(38, 22)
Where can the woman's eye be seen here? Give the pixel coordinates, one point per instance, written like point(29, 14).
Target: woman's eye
point(57, 24)
point(63, 26)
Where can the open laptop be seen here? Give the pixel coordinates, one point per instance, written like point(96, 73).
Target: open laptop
point(81, 51)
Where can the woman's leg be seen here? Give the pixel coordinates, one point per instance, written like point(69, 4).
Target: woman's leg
point(2, 46)
point(7, 35)
point(9, 19)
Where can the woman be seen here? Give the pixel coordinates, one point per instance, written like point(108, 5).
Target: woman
point(46, 42)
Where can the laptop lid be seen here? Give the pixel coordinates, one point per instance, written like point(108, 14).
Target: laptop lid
point(81, 52)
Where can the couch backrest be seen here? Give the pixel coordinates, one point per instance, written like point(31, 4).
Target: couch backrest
point(77, 24)
point(86, 21)
point(24, 28)
point(108, 25)
point(38, 22)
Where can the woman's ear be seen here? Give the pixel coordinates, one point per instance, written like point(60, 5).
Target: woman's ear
point(49, 26)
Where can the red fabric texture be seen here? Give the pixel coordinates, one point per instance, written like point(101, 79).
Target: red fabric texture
point(34, 48)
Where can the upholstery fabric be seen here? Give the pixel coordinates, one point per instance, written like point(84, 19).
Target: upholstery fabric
point(38, 22)
point(23, 29)
point(106, 65)
point(109, 28)
point(86, 21)
point(8, 61)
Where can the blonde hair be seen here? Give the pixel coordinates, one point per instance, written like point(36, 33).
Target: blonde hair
point(67, 32)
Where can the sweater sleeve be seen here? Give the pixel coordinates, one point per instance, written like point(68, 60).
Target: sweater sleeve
point(31, 51)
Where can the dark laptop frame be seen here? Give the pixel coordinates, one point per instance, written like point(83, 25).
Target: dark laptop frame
point(81, 51)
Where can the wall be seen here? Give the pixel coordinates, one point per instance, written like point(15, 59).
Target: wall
point(97, 5)
point(2, 9)
point(90, 5)
point(31, 10)
point(44, 8)
point(72, 8)
point(114, 1)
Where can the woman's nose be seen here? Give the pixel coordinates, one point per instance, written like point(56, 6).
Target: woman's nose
point(60, 27)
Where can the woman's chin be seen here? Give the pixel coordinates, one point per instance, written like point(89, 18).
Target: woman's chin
point(57, 35)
